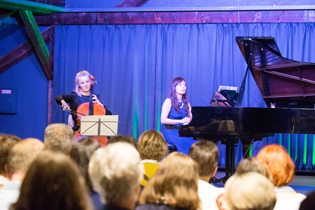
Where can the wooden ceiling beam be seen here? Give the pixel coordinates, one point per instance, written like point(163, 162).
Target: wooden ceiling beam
point(38, 41)
point(21, 52)
point(176, 17)
point(132, 3)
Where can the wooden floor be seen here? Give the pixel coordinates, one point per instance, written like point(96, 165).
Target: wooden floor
point(301, 184)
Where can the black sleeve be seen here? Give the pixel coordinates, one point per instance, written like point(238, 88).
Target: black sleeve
point(107, 112)
point(67, 97)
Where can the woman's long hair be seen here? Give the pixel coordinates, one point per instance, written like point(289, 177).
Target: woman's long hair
point(81, 153)
point(79, 75)
point(174, 98)
point(175, 183)
point(52, 182)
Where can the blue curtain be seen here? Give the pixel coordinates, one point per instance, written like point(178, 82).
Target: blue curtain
point(135, 65)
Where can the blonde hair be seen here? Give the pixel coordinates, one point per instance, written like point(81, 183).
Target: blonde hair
point(52, 182)
point(152, 145)
point(23, 153)
point(59, 137)
point(79, 75)
point(175, 183)
point(116, 171)
point(252, 164)
point(250, 191)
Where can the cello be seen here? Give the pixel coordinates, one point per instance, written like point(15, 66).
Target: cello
point(90, 108)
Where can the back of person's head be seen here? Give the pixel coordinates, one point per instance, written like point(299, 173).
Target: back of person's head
point(309, 202)
point(81, 153)
point(206, 154)
point(59, 137)
point(250, 191)
point(152, 145)
point(22, 155)
point(252, 164)
point(119, 138)
point(52, 182)
point(175, 183)
point(279, 162)
point(6, 143)
point(116, 171)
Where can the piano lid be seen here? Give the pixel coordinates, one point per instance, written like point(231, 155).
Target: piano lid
point(286, 82)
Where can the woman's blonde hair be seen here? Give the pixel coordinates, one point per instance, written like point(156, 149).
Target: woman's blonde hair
point(152, 145)
point(175, 183)
point(252, 164)
point(79, 75)
point(250, 190)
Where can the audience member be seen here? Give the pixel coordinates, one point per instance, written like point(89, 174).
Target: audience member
point(250, 191)
point(173, 186)
point(81, 153)
point(59, 137)
point(206, 155)
point(20, 157)
point(6, 143)
point(119, 138)
point(152, 148)
point(249, 164)
point(309, 202)
point(116, 172)
point(282, 170)
point(252, 164)
point(52, 182)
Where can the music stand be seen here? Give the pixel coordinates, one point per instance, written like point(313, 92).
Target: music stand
point(99, 125)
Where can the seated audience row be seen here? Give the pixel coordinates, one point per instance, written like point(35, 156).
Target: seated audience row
point(86, 174)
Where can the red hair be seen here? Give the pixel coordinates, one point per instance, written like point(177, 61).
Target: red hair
point(279, 163)
point(173, 95)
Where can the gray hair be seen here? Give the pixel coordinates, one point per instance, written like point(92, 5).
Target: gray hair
point(116, 171)
point(59, 137)
point(23, 153)
point(250, 190)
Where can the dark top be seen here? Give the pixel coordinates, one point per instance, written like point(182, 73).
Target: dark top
point(158, 207)
point(96, 199)
point(107, 207)
point(75, 101)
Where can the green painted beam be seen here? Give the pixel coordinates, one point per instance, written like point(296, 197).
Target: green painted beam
point(29, 5)
point(37, 40)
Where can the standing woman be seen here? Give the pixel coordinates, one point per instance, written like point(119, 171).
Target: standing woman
point(176, 111)
point(80, 95)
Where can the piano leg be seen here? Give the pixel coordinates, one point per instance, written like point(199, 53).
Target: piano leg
point(229, 160)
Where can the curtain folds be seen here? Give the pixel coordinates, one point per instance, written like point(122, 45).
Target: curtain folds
point(135, 64)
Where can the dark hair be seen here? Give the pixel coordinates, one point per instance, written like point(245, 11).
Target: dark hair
point(6, 143)
point(81, 153)
point(206, 154)
point(128, 139)
point(52, 182)
point(173, 95)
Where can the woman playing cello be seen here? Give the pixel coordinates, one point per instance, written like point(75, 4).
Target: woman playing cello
point(81, 94)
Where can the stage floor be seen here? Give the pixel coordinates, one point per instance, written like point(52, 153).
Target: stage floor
point(301, 184)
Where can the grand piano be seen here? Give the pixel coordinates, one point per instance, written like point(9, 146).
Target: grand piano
point(285, 84)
